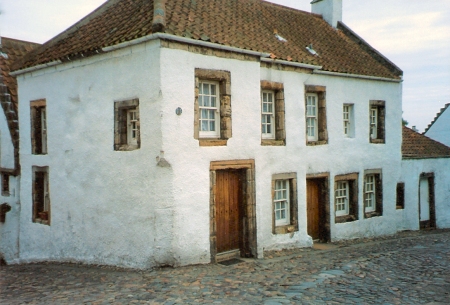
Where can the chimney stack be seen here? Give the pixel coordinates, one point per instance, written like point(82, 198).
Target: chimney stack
point(331, 10)
point(159, 16)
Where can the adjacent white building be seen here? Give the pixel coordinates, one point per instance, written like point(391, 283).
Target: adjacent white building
point(439, 128)
point(205, 136)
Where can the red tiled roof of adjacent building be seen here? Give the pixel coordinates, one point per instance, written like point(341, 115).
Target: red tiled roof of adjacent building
point(245, 24)
point(14, 50)
point(418, 146)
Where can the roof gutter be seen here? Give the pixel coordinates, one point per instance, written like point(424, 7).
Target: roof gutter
point(38, 67)
point(385, 79)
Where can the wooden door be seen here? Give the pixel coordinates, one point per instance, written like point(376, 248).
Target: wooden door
point(427, 214)
point(313, 207)
point(228, 210)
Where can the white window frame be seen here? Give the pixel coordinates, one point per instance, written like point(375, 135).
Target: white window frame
point(373, 122)
point(369, 193)
point(281, 200)
point(312, 115)
point(43, 111)
point(348, 121)
point(132, 126)
point(342, 198)
point(214, 109)
point(268, 117)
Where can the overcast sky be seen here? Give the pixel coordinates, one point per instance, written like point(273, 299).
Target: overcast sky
point(414, 34)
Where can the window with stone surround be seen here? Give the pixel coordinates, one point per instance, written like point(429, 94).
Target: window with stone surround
point(272, 114)
point(212, 107)
point(315, 115)
point(127, 125)
point(373, 193)
point(346, 197)
point(377, 115)
point(284, 203)
point(41, 195)
point(38, 127)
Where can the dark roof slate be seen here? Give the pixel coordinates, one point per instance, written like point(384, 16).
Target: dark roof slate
point(246, 24)
point(418, 146)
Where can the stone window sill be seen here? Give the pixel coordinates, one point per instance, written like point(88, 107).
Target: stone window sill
point(273, 142)
point(212, 142)
point(377, 141)
point(315, 143)
point(372, 214)
point(127, 147)
point(285, 229)
point(345, 218)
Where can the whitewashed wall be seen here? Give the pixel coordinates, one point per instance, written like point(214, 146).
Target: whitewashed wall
point(191, 163)
point(408, 219)
point(9, 231)
point(120, 208)
point(107, 207)
point(440, 130)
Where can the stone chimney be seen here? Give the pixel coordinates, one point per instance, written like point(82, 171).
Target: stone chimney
point(159, 16)
point(331, 10)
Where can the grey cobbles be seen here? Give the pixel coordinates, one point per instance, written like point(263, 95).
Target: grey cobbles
point(409, 268)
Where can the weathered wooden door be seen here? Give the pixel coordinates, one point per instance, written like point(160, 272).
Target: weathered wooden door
point(313, 195)
point(228, 210)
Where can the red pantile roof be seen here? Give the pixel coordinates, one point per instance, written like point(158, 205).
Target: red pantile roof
point(245, 24)
point(418, 146)
point(437, 117)
point(14, 50)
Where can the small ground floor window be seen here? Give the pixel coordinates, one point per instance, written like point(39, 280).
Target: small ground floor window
point(41, 195)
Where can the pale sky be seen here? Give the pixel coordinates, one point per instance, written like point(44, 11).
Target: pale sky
point(414, 34)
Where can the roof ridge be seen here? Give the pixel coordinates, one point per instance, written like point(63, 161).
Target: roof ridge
point(18, 40)
point(436, 117)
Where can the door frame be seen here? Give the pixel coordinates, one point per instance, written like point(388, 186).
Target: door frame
point(431, 223)
point(324, 205)
point(249, 248)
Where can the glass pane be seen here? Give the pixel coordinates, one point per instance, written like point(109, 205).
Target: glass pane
point(270, 106)
point(206, 101)
point(213, 101)
point(213, 89)
point(212, 114)
point(270, 98)
point(204, 114)
point(283, 214)
point(278, 215)
point(264, 107)
point(205, 89)
point(212, 126)
point(204, 125)
point(269, 129)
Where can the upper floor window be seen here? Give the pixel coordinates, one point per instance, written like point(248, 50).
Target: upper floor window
point(212, 107)
point(5, 184)
point(208, 102)
point(272, 114)
point(268, 115)
point(377, 121)
point(311, 117)
point(127, 125)
point(316, 116)
point(38, 127)
point(348, 120)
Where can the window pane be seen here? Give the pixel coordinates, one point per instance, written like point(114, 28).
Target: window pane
point(205, 89)
point(206, 101)
point(204, 125)
point(213, 89)
point(212, 126)
point(213, 101)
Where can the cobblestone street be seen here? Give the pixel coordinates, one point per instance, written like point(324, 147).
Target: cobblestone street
point(409, 268)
